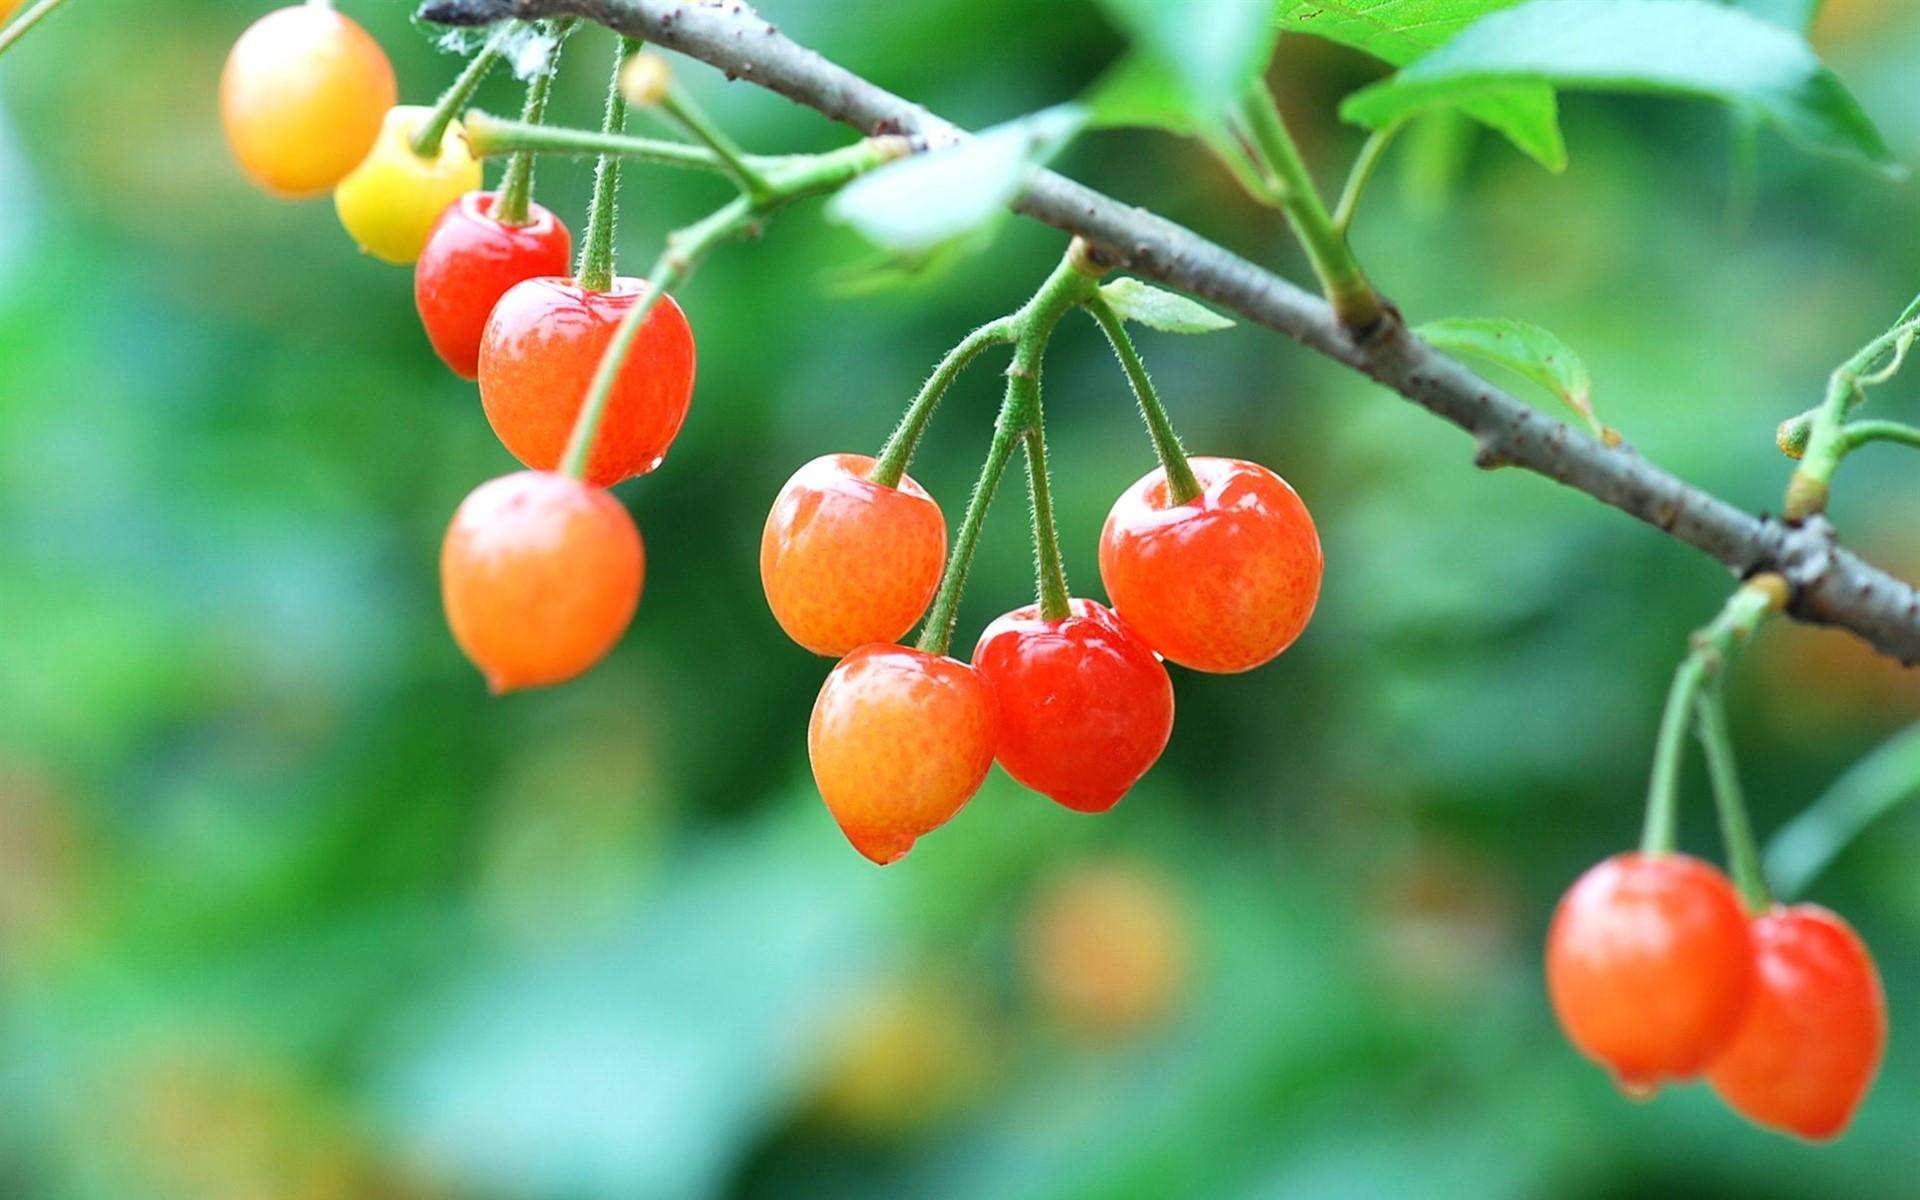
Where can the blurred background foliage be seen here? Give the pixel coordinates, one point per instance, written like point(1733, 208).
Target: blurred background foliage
point(290, 908)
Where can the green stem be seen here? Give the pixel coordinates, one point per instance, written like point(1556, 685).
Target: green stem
point(937, 634)
point(1182, 486)
point(682, 108)
point(1736, 828)
point(901, 443)
point(1345, 284)
point(516, 186)
point(1361, 174)
point(1859, 433)
point(426, 139)
point(25, 21)
point(809, 176)
point(595, 269)
point(1050, 573)
point(489, 135)
point(1827, 440)
point(1752, 603)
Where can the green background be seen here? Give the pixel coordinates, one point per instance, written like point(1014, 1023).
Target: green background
point(289, 907)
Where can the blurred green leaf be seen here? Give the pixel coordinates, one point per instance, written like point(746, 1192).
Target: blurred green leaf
point(1160, 309)
point(1192, 59)
point(1872, 788)
point(922, 203)
point(1525, 348)
point(1399, 31)
point(1678, 47)
point(1796, 15)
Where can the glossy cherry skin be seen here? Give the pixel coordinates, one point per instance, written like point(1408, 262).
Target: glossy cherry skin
point(845, 561)
point(900, 740)
point(540, 574)
point(1650, 966)
point(1812, 1040)
point(389, 203)
point(469, 262)
point(1222, 583)
point(302, 97)
point(538, 355)
point(1085, 706)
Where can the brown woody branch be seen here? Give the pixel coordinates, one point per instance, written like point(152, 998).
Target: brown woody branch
point(1832, 586)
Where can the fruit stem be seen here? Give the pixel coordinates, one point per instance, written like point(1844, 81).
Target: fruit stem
point(426, 139)
point(937, 634)
point(1050, 572)
point(1182, 486)
point(806, 176)
point(1736, 828)
point(1828, 438)
point(1360, 174)
point(27, 20)
point(488, 135)
point(905, 438)
point(1711, 646)
point(678, 104)
point(1290, 188)
point(516, 186)
point(1859, 433)
point(595, 269)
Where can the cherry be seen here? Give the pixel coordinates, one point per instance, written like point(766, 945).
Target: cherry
point(1085, 706)
point(302, 97)
point(1108, 949)
point(1650, 966)
point(1221, 583)
point(540, 574)
point(1812, 1039)
point(900, 740)
point(846, 561)
point(539, 353)
point(469, 261)
point(389, 203)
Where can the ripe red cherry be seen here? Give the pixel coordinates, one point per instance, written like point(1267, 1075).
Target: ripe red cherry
point(1650, 966)
point(845, 561)
point(540, 574)
point(1811, 1042)
point(538, 355)
point(900, 740)
point(1085, 706)
point(1222, 583)
point(469, 262)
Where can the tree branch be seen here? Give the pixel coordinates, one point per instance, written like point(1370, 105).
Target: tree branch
point(1831, 585)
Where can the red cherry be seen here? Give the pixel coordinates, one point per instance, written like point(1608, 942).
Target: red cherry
point(540, 575)
point(538, 355)
point(845, 561)
point(900, 740)
point(469, 262)
point(1650, 966)
point(1222, 583)
point(1812, 1039)
point(1085, 706)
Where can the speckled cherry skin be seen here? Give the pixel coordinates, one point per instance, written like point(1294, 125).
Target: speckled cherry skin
point(537, 358)
point(469, 262)
point(1813, 1038)
point(1650, 966)
point(1085, 705)
point(1222, 583)
point(540, 574)
point(302, 97)
point(900, 740)
point(845, 561)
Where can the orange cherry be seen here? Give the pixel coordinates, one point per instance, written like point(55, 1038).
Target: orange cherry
point(1650, 966)
point(1221, 583)
point(540, 574)
point(845, 561)
point(900, 740)
point(1812, 1040)
point(302, 98)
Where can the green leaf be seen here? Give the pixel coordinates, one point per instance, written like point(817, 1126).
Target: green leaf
point(1195, 58)
point(923, 203)
point(1680, 47)
point(1796, 15)
point(1139, 92)
point(1527, 350)
point(1159, 309)
point(1399, 31)
point(1871, 788)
